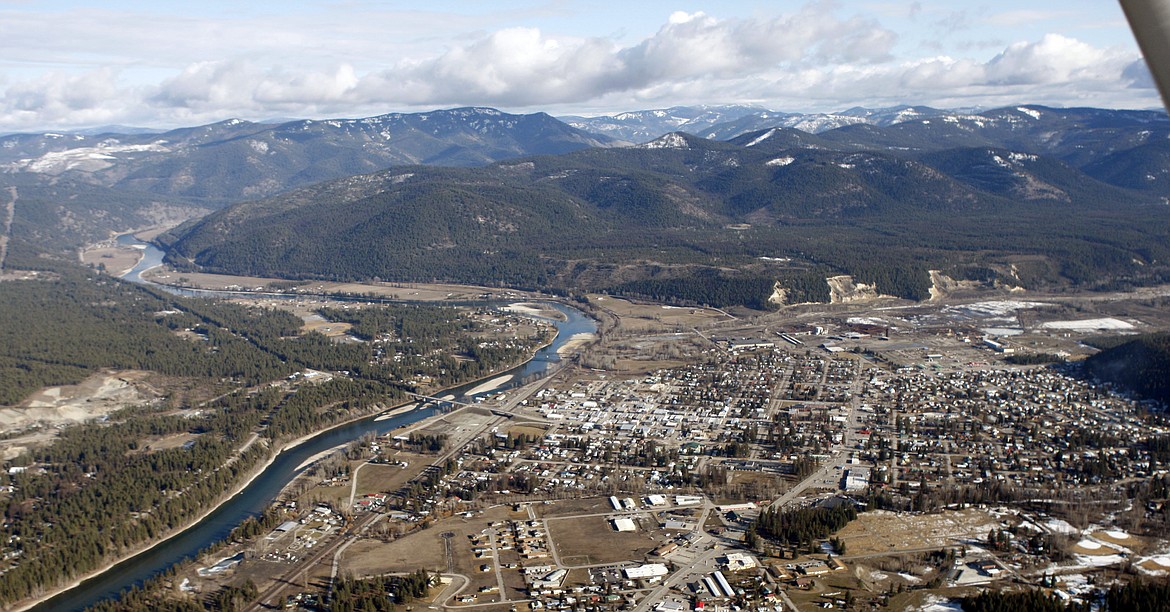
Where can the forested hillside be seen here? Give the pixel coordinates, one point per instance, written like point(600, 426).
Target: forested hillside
point(697, 221)
point(99, 491)
point(1141, 364)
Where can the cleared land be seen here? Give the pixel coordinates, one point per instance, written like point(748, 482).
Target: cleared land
point(885, 532)
point(646, 317)
point(117, 260)
point(590, 540)
point(44, 411)
point(425, 292)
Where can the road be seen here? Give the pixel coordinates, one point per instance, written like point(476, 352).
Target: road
point(337, 546)
point(330, 550)
point(701, 563)
point(830, 471)
point(496, 566)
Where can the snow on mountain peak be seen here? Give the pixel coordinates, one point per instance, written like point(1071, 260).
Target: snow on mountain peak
point(1035, 114)
point(672, 140)
point(761, 138)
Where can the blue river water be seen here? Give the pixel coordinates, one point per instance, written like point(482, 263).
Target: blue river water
point(263, 490)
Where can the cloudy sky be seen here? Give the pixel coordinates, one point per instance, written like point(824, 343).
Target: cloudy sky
point(66, 64)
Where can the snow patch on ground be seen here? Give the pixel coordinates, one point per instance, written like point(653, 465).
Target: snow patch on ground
point(1029, 112)
point(1061, 526)
point(1099, 560)
point(865, 321)
point(1088, 324)
point(937, 604)
point(761, 138)
point(1002, 331)
point(780, 161)
point(669, 141)
point(993, 308)
point(84, 158)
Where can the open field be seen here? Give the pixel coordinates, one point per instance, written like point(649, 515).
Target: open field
point(425, 548)
point(634, 316)
point(535, 309)
point(316, 323)
point(572, 507)
point(527, 430)
point(423, 292)
point(886, 532)
point(590, 539)
point(370, 557)
point(52, 407)
point(117, 260)
point(1121, 538)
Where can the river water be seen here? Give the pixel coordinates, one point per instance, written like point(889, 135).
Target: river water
point(264, 489)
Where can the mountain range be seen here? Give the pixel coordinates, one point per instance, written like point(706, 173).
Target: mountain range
point(1019, 196)
point(234, 160)
point(699, 220)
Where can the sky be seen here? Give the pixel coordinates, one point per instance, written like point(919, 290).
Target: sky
point(167, 63)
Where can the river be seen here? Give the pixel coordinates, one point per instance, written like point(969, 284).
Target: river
point(264, 489)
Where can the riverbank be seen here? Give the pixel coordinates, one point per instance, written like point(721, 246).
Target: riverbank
point(178, 531)
point(154, 556)
point(575, 342)
point(117, 260)
point(534, 309)
point(252, 476)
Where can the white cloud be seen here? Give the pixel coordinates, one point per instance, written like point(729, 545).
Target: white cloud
point(87, 98)
point(1024, 16)
point(817, 58)
point(1055, 59)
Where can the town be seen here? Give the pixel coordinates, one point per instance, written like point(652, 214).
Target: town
point(832, 461)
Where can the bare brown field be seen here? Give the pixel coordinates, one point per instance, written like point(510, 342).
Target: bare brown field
point(645, 317)
point(1131, 542)
point(156, 444)
point(887, 532)
point(387, 477)
point(425, 548)
point(427, 292)
point(116, 260)
point(1157, 564)
point(332, 329)
point(373, 557)
point(572, 507)
point(527, 430)
point(591, 539)
point(760, 484)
